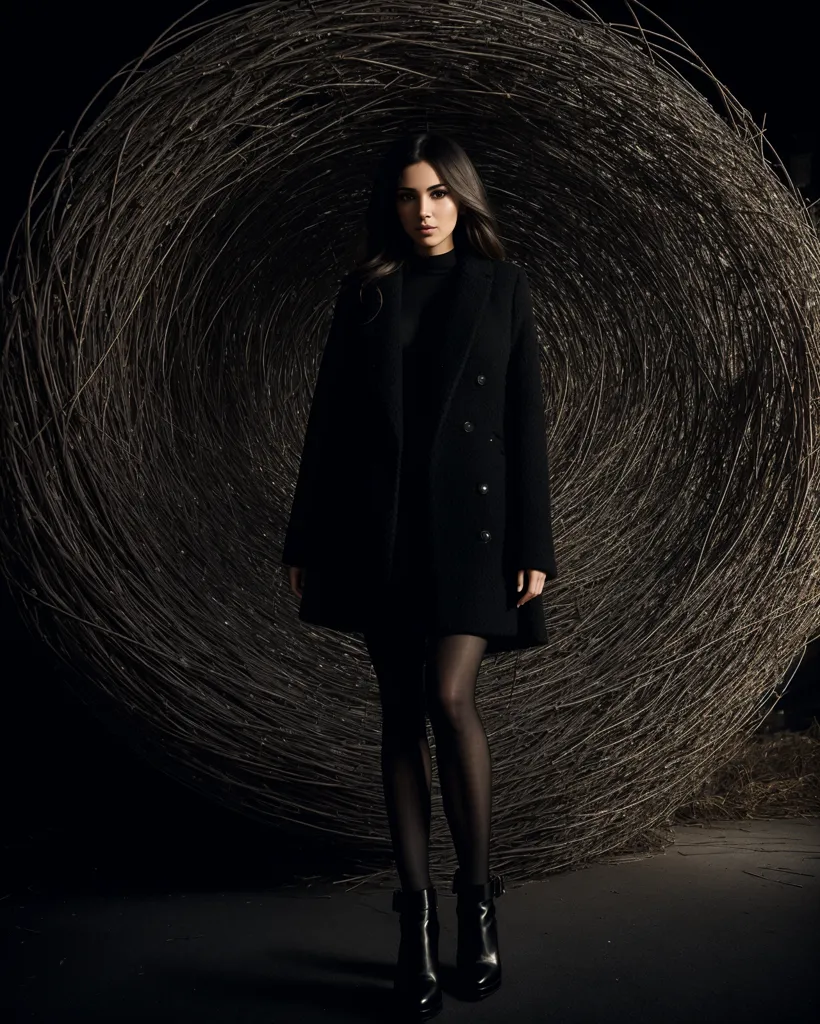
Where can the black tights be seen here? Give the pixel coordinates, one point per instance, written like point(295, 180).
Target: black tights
point(420, 675)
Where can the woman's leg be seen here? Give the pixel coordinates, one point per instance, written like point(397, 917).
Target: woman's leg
point(398, 661)
point(462, 750)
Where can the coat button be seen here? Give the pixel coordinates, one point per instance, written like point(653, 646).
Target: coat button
point(481, 379)
point(482, 488)
point(485, 535)
point(468, 426)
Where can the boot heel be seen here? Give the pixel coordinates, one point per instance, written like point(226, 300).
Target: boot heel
point(416, 987)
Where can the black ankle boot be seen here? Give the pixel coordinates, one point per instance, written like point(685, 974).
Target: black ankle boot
point(478, 963)
point(416, 986)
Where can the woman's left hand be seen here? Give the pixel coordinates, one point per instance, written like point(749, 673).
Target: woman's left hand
point(536, 585)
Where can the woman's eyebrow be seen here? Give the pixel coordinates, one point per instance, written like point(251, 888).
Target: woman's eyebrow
point(406, 188)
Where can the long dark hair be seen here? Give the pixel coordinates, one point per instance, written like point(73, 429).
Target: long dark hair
point(387, 243)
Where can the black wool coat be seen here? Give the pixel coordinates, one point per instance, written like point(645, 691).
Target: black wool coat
point(488, 486)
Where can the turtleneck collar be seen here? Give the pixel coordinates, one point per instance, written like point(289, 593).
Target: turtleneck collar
point(437, 264)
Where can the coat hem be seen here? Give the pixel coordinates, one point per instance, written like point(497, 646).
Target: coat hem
point(497, 643)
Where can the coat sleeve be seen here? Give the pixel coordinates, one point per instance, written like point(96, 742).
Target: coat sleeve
point(322, 422)
point(529, 517)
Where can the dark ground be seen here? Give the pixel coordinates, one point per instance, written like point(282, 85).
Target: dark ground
point(722, 927)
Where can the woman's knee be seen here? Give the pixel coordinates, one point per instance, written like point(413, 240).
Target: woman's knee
point(450, 707)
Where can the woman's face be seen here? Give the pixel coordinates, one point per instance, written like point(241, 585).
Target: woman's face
point(421, 198)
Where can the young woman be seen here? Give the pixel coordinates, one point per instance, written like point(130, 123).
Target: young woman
point(421, 518)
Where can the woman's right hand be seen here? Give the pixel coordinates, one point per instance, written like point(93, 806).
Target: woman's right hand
point(297, 579)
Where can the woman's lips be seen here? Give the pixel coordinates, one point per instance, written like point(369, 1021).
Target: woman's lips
point(426, 230)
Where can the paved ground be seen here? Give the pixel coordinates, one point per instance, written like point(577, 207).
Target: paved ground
point(723, 927)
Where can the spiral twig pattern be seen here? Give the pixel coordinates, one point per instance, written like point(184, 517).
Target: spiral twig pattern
point(165, 306)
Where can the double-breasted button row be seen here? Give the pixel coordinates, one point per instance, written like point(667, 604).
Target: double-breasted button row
point(468, 424)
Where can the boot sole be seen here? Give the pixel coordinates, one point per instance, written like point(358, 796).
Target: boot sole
point(476, 994)
point(404, 1013)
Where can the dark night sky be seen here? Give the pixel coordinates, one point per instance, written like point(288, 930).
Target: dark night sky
point(71, 777)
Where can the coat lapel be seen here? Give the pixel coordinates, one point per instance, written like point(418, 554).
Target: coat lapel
point(384, 357)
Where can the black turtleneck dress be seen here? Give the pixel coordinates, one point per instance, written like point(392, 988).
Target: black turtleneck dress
point(427, 291)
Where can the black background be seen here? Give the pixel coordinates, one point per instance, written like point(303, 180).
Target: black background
point(82, 811)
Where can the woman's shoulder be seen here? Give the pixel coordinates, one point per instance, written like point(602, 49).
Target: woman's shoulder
point(510, 272)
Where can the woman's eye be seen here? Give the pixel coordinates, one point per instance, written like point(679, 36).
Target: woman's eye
point(438, 192)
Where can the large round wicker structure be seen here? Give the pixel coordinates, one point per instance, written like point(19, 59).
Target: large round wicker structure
point(165, 309)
